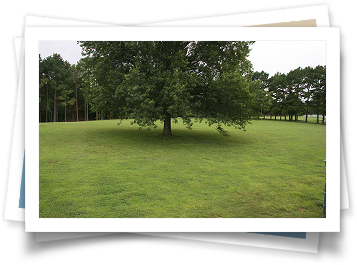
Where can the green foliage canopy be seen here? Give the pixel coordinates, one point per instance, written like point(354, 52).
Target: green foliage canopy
point(163, 80)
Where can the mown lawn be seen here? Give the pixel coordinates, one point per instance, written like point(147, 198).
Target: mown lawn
point(99, 169)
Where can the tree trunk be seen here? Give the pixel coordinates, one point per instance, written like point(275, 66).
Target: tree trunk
point(167, 126)
point(47, 102)
point(76, 99)
point(55, 105)
point(65, 111)
point(85, 109)
point(317, 119)
point(306, 115)
point(323, 118)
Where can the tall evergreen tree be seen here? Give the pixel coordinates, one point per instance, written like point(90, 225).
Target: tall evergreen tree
point(55, 72)
point(319, 95)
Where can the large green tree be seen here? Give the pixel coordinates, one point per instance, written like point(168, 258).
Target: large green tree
point(160, 81)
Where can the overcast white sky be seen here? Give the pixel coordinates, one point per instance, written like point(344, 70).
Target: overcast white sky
point(69, 50)
point(284, 56)
point(268, 56)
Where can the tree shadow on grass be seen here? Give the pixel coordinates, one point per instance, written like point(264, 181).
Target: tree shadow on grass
point(181, 137)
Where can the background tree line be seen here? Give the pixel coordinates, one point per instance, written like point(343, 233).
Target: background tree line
point(63, 93)
point(302, 91)
point(150, 81)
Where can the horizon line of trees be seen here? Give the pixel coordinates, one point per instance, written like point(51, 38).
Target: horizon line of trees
point(302, 91)
point(72, 93)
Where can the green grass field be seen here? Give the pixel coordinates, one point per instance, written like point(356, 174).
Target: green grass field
point(99, 169)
